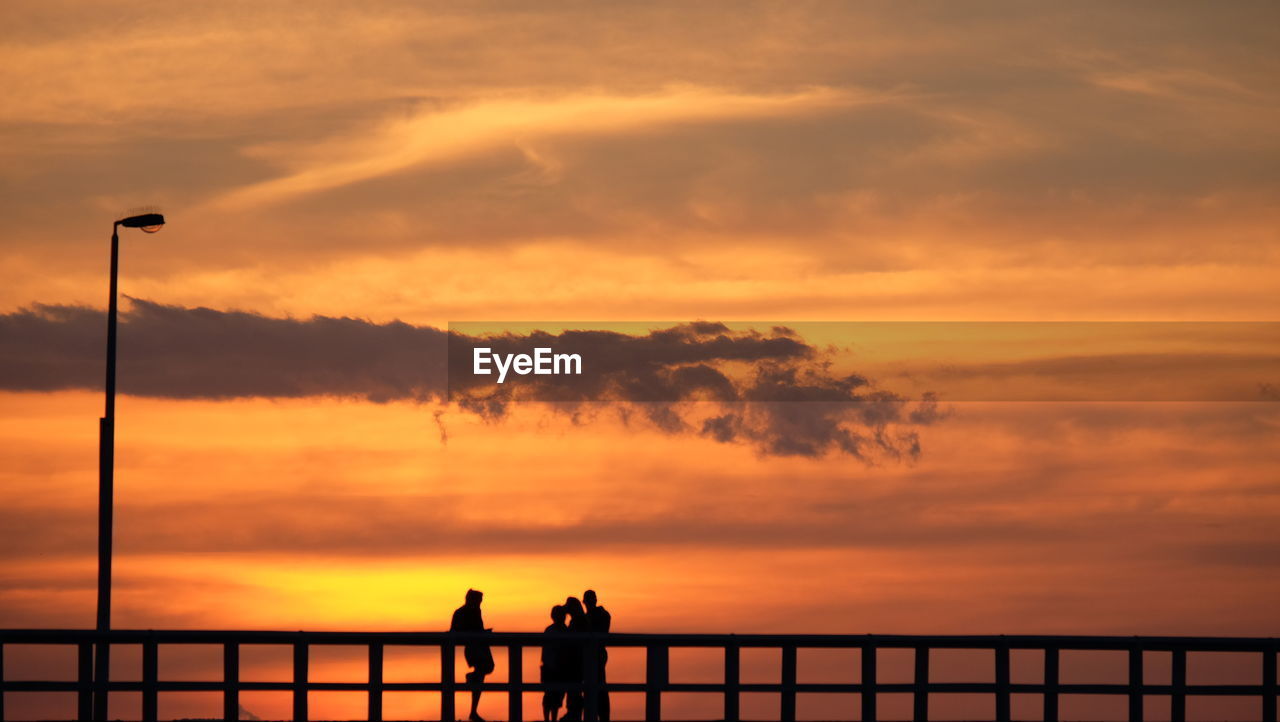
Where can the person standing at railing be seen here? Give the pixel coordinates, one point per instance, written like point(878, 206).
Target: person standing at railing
point(574, 651)
point(553, 663)
point(598, 622)
point(467, 618)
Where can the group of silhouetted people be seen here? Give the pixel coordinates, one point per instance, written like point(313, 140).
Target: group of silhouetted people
point(565, 655)
point(565, 660)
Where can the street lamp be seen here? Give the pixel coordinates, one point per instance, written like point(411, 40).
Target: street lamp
point(148, 223)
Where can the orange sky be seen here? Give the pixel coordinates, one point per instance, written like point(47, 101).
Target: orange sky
point(801, 162)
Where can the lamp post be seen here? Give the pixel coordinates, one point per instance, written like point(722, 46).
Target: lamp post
point(149, 223)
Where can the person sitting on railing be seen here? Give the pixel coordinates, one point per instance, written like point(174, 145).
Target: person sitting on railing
point(467, 618)
point(553, 663)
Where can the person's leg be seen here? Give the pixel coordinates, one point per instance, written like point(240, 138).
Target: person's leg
point(557, 701)
point(573, 705)
point(474, 680)
point(546, 696)
point(550, 706)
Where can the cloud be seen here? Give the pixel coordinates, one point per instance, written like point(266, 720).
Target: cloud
point(1216, 373)
point(1036, 481)
point(864, 139)
point(201, 353)
point(772, 391)
point(431, 136)
point(423, 525)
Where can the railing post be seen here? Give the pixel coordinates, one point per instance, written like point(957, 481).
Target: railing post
point(515, 678)
point(447, 681)
point(1002, 682)
point(1135, 682)
point(788, 701)
point(84, 690)
point(1, 681)
point(375, 682)
point(101, 677)
point(655, 680)
point(921, 700)
point(869, 682)
point(300, 681)
point(150, 677)
point(1269, 683)
point(732, 678)
point(1178, 680)
point(1050, 684)
point(231, 682)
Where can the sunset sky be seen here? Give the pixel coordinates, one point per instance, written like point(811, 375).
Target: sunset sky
point(286, 458)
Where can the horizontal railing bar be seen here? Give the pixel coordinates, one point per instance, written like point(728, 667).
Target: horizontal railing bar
point(1247, 690)
point(1086, 643)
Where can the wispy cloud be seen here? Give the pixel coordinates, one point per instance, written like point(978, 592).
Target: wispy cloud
point(437, 136)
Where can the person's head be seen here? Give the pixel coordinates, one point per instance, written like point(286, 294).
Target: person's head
point(589, 598)
point(474, 598)
point(573, 607)
point(557, 614)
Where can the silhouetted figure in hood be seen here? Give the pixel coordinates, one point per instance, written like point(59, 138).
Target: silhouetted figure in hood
point(467, 619)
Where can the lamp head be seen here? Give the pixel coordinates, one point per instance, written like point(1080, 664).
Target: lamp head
point(148, 222)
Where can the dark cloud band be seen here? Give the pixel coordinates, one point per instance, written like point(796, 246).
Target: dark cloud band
point(730, 386)
point(768, 386)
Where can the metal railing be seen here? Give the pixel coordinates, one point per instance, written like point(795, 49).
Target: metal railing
point(657, 679)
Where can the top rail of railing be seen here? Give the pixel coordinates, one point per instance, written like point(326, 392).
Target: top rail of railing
point(934, 641)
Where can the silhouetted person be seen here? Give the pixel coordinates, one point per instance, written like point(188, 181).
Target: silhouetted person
point(553, 663)
point(573, 650)
point(598, 622)
point(467, 619)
